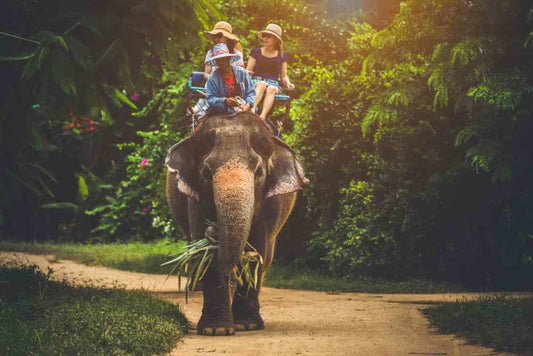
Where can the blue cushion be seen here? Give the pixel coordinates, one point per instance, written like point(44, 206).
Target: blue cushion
point(197, 88)
point(197, 79)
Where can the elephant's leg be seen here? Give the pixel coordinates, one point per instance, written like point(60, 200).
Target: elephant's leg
point(217, 318)
point(266, 227)
point(246, 306)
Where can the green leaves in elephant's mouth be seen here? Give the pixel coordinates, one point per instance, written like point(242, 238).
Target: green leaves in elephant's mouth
point(195, 261)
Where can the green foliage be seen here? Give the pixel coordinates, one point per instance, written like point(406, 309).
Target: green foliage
point(40, 316)
point(137, 209)
point(86, 67)
point(503, 322)
point(292, 277)
point(199, 255)
point(416, 148)
point(133, 256)
point(412, 130)
point(353, 244)
point(16, 48)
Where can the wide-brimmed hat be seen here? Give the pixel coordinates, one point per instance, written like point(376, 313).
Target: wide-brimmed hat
point(224, 28)
point(272, 29)
point(220, 50)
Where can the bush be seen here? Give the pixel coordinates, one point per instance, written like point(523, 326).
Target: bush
point(52, 318)
point(137, 209)
point(502, 322)
point(145, 257)
point(354, 247)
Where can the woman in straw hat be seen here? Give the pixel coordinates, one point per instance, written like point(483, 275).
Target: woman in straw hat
point(222, 33)
point(268, 65)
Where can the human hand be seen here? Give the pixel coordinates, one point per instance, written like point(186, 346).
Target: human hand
point(279, 124)
point(290, 86)
point(231, 102)
point(245, 107)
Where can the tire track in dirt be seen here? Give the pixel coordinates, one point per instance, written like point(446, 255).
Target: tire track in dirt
point(297, 322)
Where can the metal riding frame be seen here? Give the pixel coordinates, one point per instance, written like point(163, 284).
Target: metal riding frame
point(196, 85)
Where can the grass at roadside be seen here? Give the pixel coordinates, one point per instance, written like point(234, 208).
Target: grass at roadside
point(288, 277)
point(143, 257)
point(147, 257)
point(501, 322)
point(40, 316)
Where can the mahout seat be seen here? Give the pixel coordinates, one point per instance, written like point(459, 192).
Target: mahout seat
point(196, 86)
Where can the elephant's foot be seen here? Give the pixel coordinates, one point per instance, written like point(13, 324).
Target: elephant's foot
point(216, 331)
point(248, 322)
point(215, 326)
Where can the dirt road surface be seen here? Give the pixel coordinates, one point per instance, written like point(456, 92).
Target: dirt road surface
point(297, 322)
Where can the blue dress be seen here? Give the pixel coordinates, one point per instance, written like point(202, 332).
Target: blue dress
point(268, 69)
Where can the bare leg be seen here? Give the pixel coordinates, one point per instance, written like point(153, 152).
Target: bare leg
point(259, 91)
point(269, 101)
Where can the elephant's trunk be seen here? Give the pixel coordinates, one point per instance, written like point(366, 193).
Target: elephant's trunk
point(233, 188)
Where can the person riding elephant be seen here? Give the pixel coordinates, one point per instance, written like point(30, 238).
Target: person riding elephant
point(233, 171)
point(222, 33)
point(229, 88)
point(268, 66)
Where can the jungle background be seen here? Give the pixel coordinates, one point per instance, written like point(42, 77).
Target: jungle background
point(412, 119)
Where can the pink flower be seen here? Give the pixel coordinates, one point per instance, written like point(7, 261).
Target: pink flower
point(146, 209)
point(144, 162)
point(135, 96)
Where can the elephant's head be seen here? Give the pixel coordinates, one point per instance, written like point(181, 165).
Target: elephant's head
point(230, 165)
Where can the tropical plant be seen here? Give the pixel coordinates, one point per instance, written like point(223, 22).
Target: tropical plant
point(72, 88)
point(422, 169)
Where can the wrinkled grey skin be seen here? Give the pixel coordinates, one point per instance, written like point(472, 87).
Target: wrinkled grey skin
point(233, 171)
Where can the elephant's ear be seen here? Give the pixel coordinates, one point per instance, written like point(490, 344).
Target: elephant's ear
point(286, 173)
point(179, 162)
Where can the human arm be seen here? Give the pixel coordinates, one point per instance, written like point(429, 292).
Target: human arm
point(285, 78)
point(207, 71)
point(251, 63)
point(214, 90)
point(248, 91)
point(250, 66)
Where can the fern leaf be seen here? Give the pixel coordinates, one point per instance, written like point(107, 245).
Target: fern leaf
point(377, 114)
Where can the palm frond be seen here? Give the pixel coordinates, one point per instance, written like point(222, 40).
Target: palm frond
point(196, 260)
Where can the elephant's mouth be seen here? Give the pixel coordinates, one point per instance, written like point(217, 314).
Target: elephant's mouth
point(233, 189)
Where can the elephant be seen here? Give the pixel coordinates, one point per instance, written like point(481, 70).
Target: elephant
point(234, 171)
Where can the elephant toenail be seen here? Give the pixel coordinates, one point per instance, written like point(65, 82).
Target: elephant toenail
point(240, 327)
point(220, 331)
point(208, 331)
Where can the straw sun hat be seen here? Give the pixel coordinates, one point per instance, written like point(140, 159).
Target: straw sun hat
point(272, 29)
point(224, 28)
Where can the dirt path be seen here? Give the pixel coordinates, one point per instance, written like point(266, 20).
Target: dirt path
point(297, 322)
